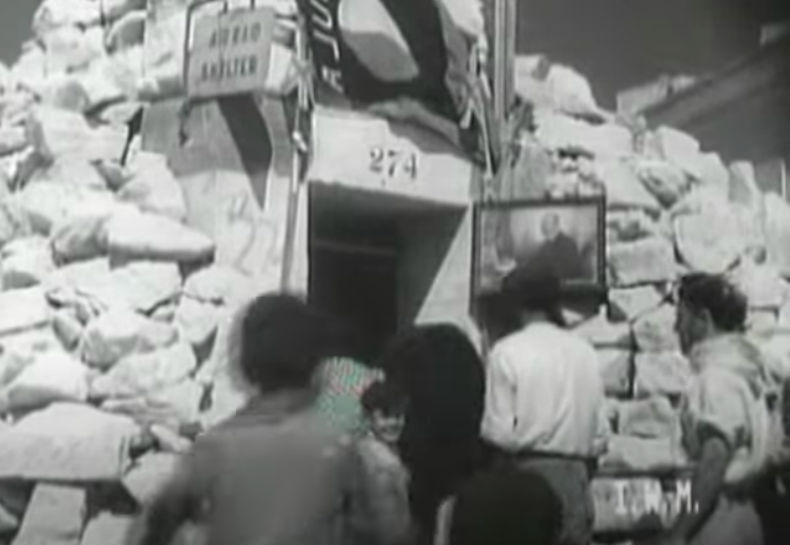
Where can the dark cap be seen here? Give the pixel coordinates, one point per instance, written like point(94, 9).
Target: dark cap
point(534, 289)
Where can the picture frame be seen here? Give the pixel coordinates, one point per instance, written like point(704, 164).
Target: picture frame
point(565, 236)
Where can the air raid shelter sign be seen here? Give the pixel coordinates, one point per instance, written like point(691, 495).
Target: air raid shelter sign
point(230, 53)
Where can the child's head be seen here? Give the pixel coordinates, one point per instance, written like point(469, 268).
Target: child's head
point(281, 342)
point(384, 406)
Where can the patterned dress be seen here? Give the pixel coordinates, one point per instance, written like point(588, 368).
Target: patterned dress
point(343, 383)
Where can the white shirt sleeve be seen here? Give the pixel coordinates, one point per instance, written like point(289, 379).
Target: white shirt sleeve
point(499, 418)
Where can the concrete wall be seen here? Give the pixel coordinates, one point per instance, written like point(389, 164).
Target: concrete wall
point(435, 272)
point(233, 159)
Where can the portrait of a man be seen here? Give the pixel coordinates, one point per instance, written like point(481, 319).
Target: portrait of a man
point(563, 238)
point(558, 252)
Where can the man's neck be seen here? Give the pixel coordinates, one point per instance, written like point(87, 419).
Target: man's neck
point(535, 319)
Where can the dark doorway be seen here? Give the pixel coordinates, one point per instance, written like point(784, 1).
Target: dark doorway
point(354, 275)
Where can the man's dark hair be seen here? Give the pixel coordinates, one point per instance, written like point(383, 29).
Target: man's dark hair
point(282, 342)
point(384, 396)
point(534, 289)
point(726, 304)
point(506, 506)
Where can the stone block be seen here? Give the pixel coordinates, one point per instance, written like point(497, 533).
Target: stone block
point(762, 284)
point(647, 261)
point(623, 186)
point(616, 371)
point(643, 455)
point(709, 242)
point(661, 374)
point(676, 147)
point(744, 190)
point(629, 304)
point(170, 407)
point(563, 133)
point(64, 92)
point(153, 187)
point(138, 235)
point(221, 285)
point(67, 327)
point(56, 516)
point(547, 85)
point(197, 321)
point(52, 377)
point(119, 333)
point(107, 529)
point(651, 418)
point(19, 350)
point(141, 374)
point(127, 32)
point(23, 309)
point(14, 222)
point(48, 205)
point(26, 262)
point(777, 232)
point(139, 285)
point(54, 14)
point(59, 133)
point(655, 331)
point(67, 443)
point(149, 474)
point(69, 171)
point(12, 140)
point(602, 333)
point(667, 182)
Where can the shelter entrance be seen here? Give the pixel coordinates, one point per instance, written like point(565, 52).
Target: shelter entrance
point(368, 263)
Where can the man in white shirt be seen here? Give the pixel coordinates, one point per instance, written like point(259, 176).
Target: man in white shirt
point(544, 404)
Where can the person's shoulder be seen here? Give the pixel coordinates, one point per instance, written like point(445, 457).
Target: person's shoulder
point(572, 341)
point(509, 345)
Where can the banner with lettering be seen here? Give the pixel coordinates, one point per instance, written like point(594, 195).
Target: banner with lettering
point(402, 59)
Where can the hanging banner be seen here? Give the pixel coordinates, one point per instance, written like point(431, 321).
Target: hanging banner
point(230, 53)
point(371, 153)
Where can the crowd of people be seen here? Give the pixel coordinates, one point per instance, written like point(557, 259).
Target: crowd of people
point(431, 445)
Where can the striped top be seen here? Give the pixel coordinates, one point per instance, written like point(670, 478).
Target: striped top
point(343, 383)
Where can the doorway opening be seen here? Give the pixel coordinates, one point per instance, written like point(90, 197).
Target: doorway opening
point(374, 259)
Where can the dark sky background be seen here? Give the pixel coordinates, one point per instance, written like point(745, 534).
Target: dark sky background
point(618, 44)
point(15, 19)
point(615, 43)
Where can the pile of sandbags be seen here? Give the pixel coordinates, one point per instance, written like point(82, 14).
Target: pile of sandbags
point(672, 208)
point(114, 318)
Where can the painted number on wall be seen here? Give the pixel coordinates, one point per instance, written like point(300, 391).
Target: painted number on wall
point(393, 163)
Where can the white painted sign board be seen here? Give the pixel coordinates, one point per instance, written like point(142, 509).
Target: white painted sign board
point(230, 53)
point(370, 153)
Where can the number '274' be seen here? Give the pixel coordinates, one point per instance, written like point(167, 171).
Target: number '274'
point(392, 163)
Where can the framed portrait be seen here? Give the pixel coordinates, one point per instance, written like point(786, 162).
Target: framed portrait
point(564, 237)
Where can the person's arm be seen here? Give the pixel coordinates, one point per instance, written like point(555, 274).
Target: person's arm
point(706, 485)
point(377, 514)
point(178, 501)
point(499, 418)
point(716, 409)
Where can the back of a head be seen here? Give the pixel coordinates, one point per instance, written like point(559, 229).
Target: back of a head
point(534, 289)
point(282, 342)
point(505, 506)
point(726, 305)
point(443, 377)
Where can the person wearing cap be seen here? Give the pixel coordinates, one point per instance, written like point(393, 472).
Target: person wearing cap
point(544, 403)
